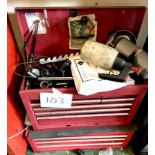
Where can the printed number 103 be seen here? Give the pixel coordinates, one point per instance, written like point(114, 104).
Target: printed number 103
point(53, 100)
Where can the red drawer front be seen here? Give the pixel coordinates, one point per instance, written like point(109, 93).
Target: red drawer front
point(114, 139)
point(92, 109)
point(102, 109)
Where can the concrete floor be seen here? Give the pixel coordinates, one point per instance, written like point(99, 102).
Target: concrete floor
point(126, 151)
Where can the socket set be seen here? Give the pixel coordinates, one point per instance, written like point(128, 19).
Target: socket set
point(48, 75)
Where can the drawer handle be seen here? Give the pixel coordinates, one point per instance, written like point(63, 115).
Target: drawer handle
point(85, 106)
point(103, 100)
point(82, 140)
point(81, 111)
point(83, 137)
point(95, 101)
point(79, 116)
point(68, 145)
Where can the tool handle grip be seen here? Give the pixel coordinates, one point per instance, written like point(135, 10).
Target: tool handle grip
point(119, 78)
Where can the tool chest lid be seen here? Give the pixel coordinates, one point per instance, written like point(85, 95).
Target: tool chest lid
point(55, 41)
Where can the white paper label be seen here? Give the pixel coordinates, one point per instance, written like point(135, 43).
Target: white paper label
point(55, 100)
point(31, 17)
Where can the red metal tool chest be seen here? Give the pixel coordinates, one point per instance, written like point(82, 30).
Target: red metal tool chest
point(116, 107)
point(104, 109)
point(83, 138)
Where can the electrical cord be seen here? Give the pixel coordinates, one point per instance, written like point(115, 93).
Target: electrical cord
point(26, 63)
point(13, 136)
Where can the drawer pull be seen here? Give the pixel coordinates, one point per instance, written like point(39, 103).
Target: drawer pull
point(103, 100)
point(79, 116)
point(94, 101)
point(81, 111)
point(85, 106)
point(67, 145)
point(83, 137)
point(82, 140)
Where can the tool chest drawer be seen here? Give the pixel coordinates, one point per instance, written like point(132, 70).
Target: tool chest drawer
point(111, 108)
point(82, 138)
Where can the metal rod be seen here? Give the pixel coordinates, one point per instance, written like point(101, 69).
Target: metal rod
point(81, 111)
point(99, 100)
point(81, 140)
point(79, 116)
point(82, 106)
point(103, 100)
point(54, 78)
point(83, 137)
point(96, 144)
point(34, 39)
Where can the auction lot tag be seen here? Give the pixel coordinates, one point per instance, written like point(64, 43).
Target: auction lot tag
point(56, 100)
